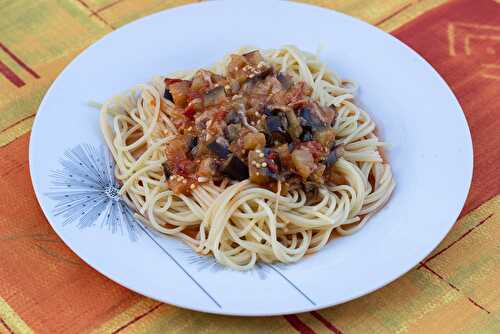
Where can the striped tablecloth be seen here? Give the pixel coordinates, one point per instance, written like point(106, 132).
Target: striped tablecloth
point(45, 288)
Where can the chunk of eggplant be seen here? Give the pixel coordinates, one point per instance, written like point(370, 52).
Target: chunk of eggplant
point(276, 128)
point(331, 158)
point(219, 149)
point(214, 96)
point(167, 95)
point(232, 117)
point(285, 80)
point(191, 142)
point(307, 118)
point(235, 168)
point(232, 132)
point(166, 170)
point(253, 57)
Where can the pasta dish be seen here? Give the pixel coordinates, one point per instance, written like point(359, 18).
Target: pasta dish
point(263, 156)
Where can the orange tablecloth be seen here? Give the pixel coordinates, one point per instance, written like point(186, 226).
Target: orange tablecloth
point(45, 288)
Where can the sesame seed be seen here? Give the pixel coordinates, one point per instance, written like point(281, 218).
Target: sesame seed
point(227, 87)
point(251, 75)
point(258, 151)
point(264, 165)
point(184, 181)
point(256, 113)
point(261, 155)
point(171, 178)
point(192, 186)
point(257, 173)
point(202, 179)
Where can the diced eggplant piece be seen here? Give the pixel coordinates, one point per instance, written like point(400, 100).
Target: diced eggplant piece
point(232, 131)
point(285, 80)
point(199, 150)
point(275, 124)
point(308, 119)
point(214, 96)
point(235, 68)
point(307, 135)
point(253, 140)
point(263, 72)
point(167, 95)
point(325, 136)
point(219, 149)
point(166, 170)
point(180, 92)
point(303, 162)
point(276, 127)
point(331, 158)
point(235, 168)
point(191, 141)
point(199, 83)
point(268, 111)
point(232, 118)
point(253, 57)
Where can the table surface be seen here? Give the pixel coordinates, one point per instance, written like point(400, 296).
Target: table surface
point(45, 288)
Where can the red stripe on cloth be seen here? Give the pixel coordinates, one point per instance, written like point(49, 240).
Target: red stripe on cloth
point(454, 287)
point(19, 61)
point(460, 238)
point(16, 123)
point(326, 322)
point(7, 326)
point(136, 319)
point(298, 324)
point(10, 75)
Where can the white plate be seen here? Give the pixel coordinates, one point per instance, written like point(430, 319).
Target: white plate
point(418, 115)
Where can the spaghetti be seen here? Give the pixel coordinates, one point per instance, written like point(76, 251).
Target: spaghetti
point(279, 211)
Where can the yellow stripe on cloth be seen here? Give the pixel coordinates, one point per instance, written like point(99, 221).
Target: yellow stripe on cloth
point(10, 321)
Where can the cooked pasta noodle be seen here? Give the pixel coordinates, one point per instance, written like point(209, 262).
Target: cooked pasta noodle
point(238, 222)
